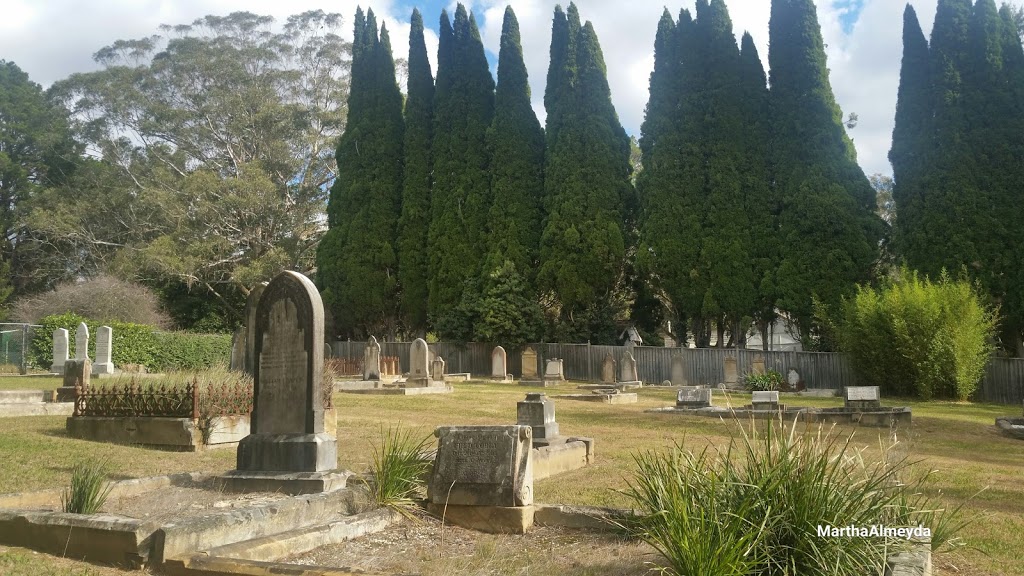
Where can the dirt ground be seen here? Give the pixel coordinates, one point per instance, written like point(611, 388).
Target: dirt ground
point(425, 547)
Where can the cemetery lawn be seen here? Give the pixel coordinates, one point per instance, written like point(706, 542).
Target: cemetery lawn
point(958, 441)
point(30, 382)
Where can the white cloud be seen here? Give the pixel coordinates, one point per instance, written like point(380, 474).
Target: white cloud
point(50, 39)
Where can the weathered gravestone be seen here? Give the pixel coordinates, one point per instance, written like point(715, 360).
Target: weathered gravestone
point(731, 373)
point(693, 397)
point(249, 359)
point(104, 351)
point(554, 369)
point(237, 362)
point(437, 370)
point(76, 373)
point(529, 364)
point(608, 369)
point(288, 449)
point(793, 379)
point(627, 372)
point(757, 366)
point(678, 369)
point(419, 364)
point(765, 400)
point(371, 360)
point(82, 342)
point(60, 350)
point(860, 398)
point(538, 412)
point(499, 367)
point(483, 478)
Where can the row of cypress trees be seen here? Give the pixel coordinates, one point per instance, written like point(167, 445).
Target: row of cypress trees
point(958, 151)
point(457, 211)
point(461, 215)
point(753, 201)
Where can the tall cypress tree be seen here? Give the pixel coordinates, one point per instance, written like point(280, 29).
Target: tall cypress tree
point(910, 137)
point(460, 196)
point(517, 168)
point(762, 205)
point(415, 217)
point(829, 230)
point(586, 180)
point(356, 260)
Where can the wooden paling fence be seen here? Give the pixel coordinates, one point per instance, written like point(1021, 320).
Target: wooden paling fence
point(1003, 381)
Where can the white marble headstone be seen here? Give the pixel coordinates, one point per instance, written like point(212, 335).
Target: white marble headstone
point(60, 350)
point(104, 351)
point(82, 342)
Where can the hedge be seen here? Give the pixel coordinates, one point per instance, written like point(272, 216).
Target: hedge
point(135, 344)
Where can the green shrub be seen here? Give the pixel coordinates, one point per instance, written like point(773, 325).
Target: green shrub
point(136, 344)
point(914, 337)
point(88, 490)
point(761, 500)
point(770, 380)
point(187, 351)
point(399, 468)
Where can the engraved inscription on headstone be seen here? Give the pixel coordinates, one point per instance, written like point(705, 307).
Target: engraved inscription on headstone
point(60, 350)
point(104, 351)
point(282, 365)
point(82, 342)
point(693, 397)
point(483, 466)
point(529, 363)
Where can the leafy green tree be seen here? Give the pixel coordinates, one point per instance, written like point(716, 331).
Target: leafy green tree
point(829, 232)
point(586, 178)
point(414, 223)
point(509, 313)
point(36, 152)
point(357, 261)
point(225, 113)
point(460, 196)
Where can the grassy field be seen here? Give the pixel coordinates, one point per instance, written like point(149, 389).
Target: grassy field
point(958, 441)
point(30, 382)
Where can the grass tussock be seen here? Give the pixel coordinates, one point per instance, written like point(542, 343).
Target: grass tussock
point(88, 490)
point(754, 505)
point(400, 466)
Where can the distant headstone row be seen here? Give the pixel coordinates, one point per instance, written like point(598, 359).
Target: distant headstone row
point(104, 349)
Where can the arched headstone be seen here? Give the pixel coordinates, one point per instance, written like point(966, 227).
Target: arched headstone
point(371, 360)
point(627, 373)
point(419, 364)
point(498, 363)
point(82, 342)
point(608, 369)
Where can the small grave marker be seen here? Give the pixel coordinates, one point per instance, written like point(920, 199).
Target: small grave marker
point(693, 397)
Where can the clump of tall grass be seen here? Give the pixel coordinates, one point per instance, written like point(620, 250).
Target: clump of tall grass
point(755, 507)
point(400, 466)
point(88, 490)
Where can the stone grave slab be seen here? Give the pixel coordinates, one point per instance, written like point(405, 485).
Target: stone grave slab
point(693, 397)
point(82, 342)
point(627, 371)
point(60, 350)
point(288, 447)
point(483, 477)
point(608, 369)
point(371, 360)
point(860, 398)
point(538, 412)
point(104, 351)
point(765, 400)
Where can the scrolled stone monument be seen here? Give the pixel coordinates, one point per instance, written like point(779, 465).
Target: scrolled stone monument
point(288, 449)
point(60, 350)
point(104, 351)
